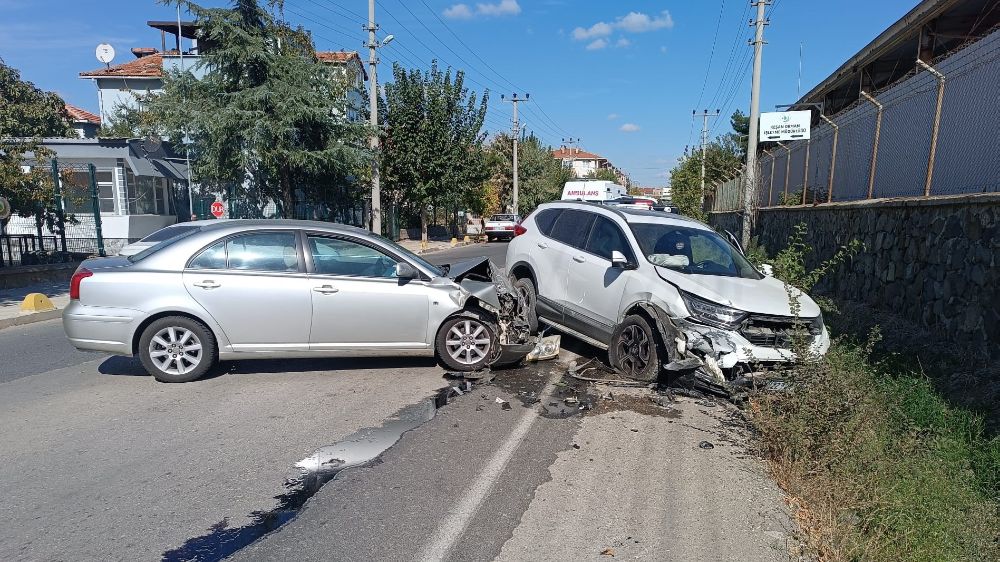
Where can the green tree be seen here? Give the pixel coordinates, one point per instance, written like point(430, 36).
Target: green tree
point(604, 174)
point(723, 157)
point(432, 151)
point(267, 118)
point(27, 114)
point(540, 177)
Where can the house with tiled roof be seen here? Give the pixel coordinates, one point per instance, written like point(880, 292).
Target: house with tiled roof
point(585, 164)
point(85, 123)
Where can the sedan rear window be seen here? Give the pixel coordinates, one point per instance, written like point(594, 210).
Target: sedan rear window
point(175, 234)
point(169, 232)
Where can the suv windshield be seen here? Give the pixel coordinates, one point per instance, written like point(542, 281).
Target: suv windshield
point(691, 250)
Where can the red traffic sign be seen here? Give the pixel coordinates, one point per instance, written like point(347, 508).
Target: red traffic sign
point(218, 210)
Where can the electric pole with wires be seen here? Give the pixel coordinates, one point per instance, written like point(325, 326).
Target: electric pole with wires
point(750, 186)
point(704, 145)
point(372, 45)
point(516, 134)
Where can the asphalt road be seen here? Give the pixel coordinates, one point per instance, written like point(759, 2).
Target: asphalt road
point(103, 463)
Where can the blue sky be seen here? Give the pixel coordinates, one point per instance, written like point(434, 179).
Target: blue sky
point(622, 76)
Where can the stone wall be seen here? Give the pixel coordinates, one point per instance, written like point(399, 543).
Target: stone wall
point(933, 261)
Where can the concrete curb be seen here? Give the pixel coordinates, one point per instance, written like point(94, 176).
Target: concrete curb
point(30, 318)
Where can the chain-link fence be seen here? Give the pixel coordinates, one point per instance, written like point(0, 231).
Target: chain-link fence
point(936, 132)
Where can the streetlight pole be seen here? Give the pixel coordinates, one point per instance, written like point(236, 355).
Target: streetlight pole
point(373, 101)
point(751, 183)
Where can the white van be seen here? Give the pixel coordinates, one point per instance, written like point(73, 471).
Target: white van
point(596, 191)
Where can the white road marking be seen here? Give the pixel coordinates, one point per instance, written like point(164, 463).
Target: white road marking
point(455, 523)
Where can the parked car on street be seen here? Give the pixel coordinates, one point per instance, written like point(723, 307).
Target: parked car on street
point(657, 291)
point(501, 227)
point(239, 289)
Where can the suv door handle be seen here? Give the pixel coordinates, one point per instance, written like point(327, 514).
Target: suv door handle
point(326, 289)
point(207, 284)
point(579, 259)
point(542, 245)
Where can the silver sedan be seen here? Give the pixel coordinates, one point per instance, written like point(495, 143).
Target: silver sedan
point(281, 289)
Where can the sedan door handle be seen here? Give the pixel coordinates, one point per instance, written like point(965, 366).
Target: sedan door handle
point(208, 284)
point(542, 245)
point(326, 289)
point(579, 259)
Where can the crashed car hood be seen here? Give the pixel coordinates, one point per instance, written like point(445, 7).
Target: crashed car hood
point(479, 267)
point(761, 296)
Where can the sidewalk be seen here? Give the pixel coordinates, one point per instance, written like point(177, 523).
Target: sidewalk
point(435, 245)
point(10, 303)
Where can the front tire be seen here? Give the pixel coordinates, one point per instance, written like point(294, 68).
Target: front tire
point(636, 350)
point(526, 288)
point(466, 342)
point(177, 349)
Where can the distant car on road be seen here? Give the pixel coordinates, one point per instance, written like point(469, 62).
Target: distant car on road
point(501, 227)
point(235, 289)
point(656, 290)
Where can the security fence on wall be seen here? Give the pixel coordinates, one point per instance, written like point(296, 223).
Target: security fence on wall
point(936, 132)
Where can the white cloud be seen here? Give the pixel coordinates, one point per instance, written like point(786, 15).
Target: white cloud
point(612, 116)
point(623, 42)
point(633, 22)
point(663, 49)
point(599, 29)
point(638, 22)
point(629, 128)
point(458, 12)
point(597, 45)
point(501, 8)
point(486, 10)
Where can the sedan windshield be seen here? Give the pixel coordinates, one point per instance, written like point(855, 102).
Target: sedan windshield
point(691, 250)
point(411, 256)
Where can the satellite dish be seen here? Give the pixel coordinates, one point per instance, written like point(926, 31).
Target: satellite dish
point(151, 144)
point(105, 53)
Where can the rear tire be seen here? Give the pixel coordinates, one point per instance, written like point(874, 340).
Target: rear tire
point(635, 349)
point(526, 287)
point(177, 349)
point(466, 342)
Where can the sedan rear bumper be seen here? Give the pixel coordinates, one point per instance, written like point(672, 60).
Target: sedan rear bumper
point(105, 329)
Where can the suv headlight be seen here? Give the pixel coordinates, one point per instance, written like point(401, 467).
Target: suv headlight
point(713, 314)
point(816, 325)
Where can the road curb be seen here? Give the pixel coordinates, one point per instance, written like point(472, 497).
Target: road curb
point(30, 318)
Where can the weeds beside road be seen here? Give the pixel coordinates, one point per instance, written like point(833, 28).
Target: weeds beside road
point(877, 463)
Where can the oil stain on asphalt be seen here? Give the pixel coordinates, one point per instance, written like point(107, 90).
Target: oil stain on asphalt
point(359, 449)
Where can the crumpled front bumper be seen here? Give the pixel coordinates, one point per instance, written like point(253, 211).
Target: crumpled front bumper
point(729, 348)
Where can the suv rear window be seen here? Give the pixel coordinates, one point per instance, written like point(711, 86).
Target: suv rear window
point(572, 227)
point(546, 219)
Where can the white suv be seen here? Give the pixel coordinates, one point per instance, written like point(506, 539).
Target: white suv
point(656, 290)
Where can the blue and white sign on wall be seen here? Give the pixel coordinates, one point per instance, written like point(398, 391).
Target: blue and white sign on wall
point(785, 125)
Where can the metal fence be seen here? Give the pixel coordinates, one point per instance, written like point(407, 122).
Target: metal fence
point(65, 229)
point(935, 132)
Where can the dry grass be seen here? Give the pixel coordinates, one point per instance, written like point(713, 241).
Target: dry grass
point(878, 466)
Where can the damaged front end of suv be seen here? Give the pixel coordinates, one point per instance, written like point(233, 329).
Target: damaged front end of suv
point(492, 292)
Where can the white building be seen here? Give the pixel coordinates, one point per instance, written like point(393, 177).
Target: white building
point(585, 164)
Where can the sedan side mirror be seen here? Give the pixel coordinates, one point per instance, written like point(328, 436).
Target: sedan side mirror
point(619, 261)
point(767, 269)
point(406, 271)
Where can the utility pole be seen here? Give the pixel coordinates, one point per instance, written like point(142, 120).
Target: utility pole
point(704, 144)
point(751, 184)
point(517, 133)
point(373, 103)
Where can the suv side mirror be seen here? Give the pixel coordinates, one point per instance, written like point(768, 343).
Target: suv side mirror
point(767, 269)
point(406, 271)
point(619, 261)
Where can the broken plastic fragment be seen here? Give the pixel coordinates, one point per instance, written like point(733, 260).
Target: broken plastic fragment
point(706, 445)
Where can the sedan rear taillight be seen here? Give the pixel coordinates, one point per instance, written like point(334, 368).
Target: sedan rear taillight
point(74, 283)
point(519, 230)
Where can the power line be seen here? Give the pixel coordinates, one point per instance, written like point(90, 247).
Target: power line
point(711, 56)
